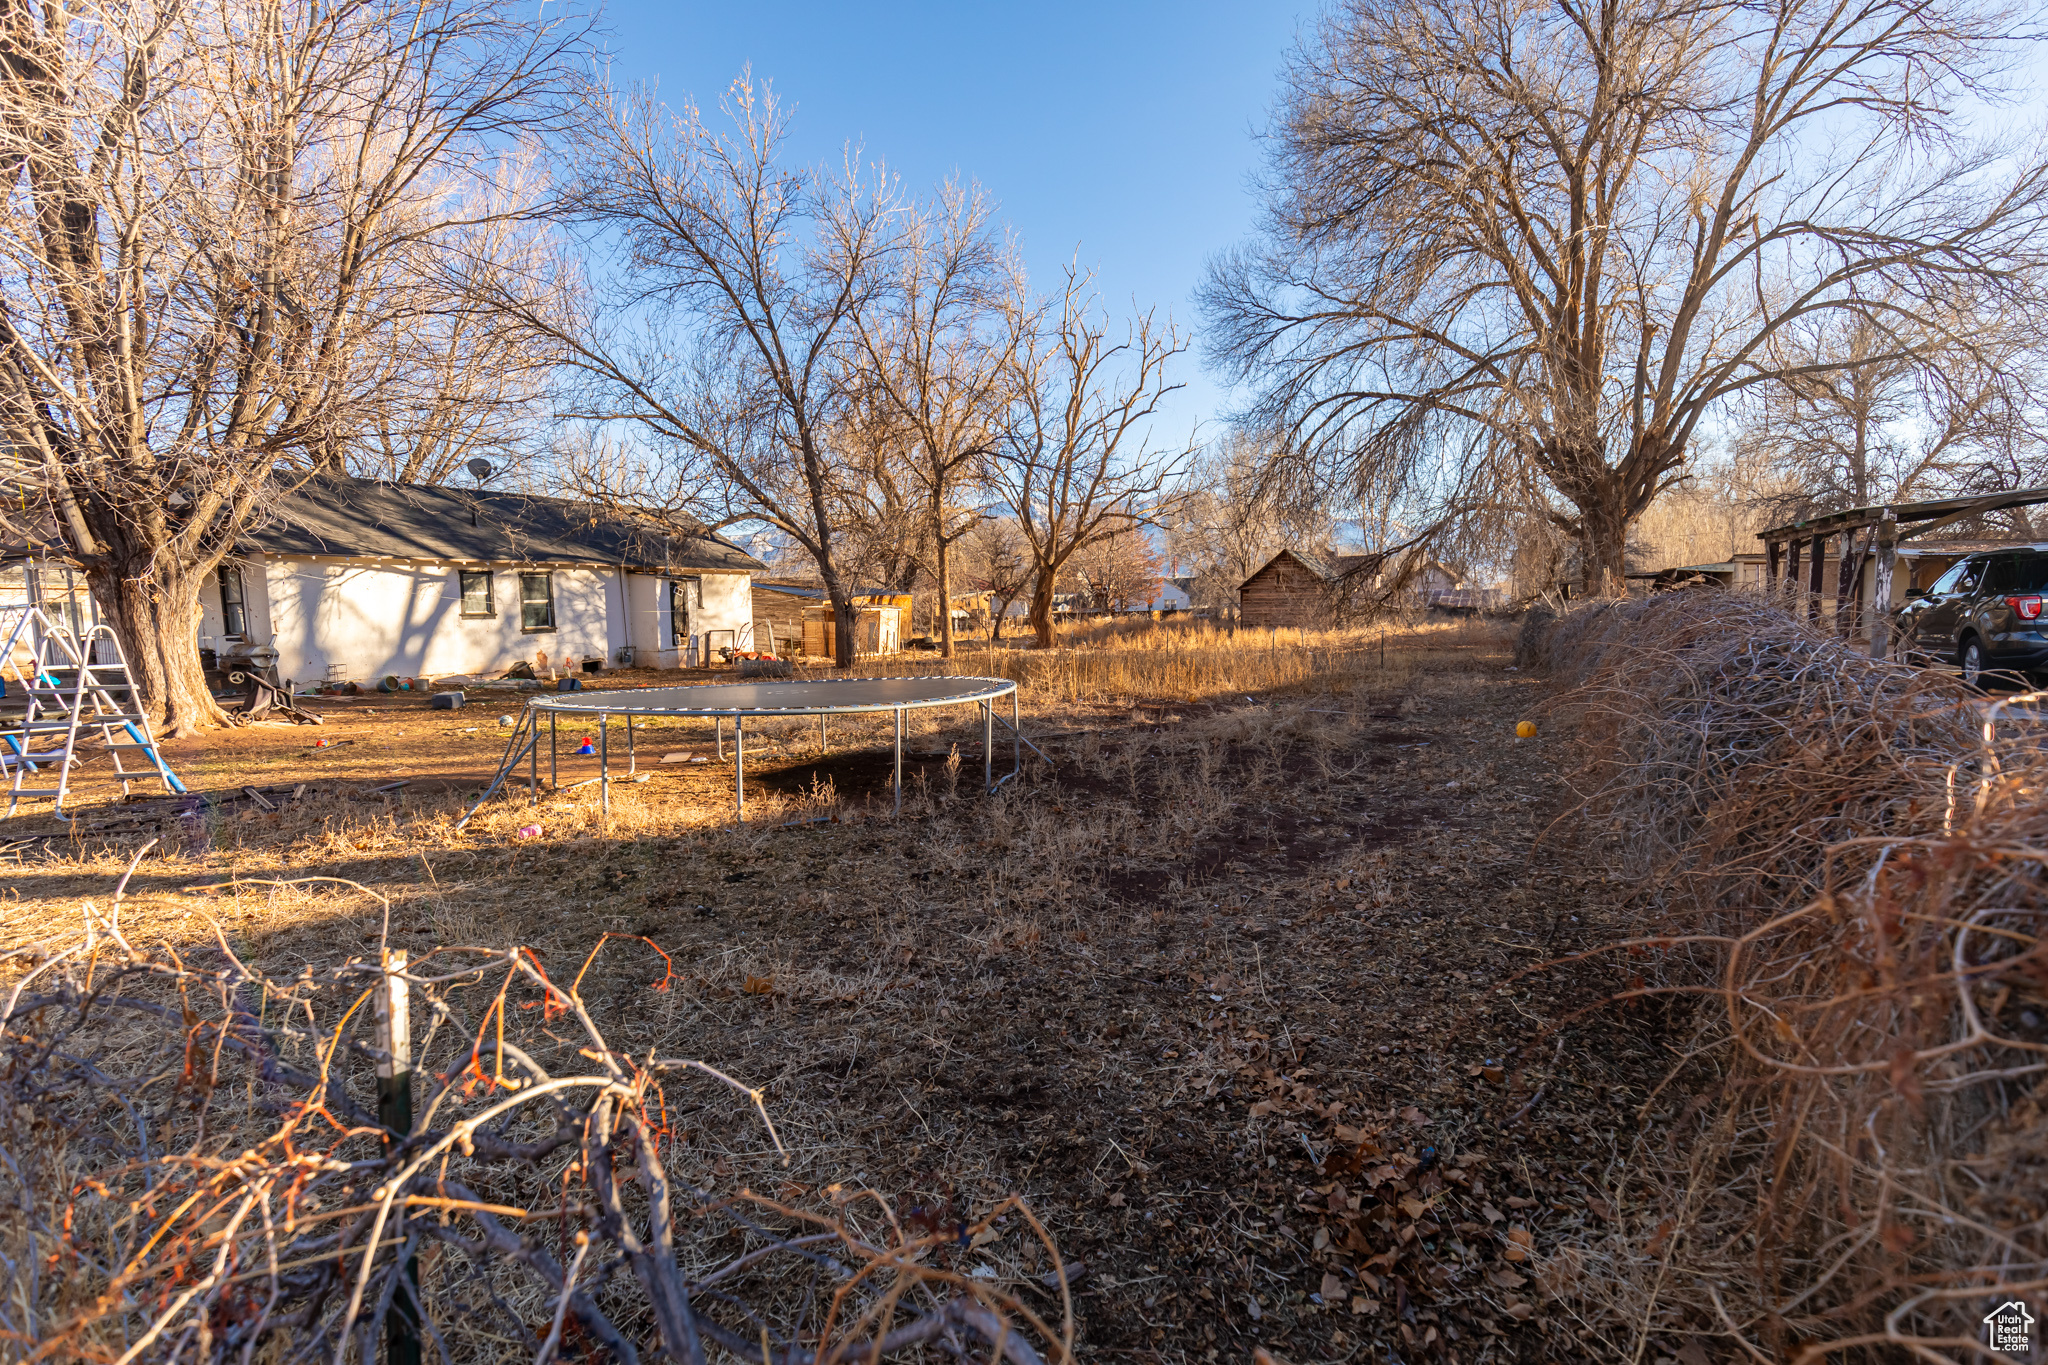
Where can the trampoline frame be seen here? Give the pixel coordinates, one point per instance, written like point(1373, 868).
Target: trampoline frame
point(525, 740)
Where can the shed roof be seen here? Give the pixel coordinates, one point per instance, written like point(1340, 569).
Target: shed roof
point(339, 515)
point(1329, 568)
point(1936, 510)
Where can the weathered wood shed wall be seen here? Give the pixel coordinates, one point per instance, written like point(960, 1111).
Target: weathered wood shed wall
point(777, 608)
point(1287, 592)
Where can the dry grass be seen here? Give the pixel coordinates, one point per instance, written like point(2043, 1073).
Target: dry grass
point(1195, 660)
point(1146, 987)
point(220, 1185)
point(1844, 863)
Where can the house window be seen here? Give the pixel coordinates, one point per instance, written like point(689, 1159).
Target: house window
point(476, 593)
point(234, 616)
point(536, 601)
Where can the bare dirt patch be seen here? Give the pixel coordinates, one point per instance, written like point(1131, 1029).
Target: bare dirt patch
point(1237, 993)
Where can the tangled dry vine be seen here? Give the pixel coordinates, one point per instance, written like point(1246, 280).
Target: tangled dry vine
point(1844, 860)
point(193, 1167)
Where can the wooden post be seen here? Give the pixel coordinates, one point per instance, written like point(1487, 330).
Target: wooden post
point(1816, 577)
point(1846, 573)
point(1792, 548)
point(1772, 556)
point(1881, 588)
point(394, 1112)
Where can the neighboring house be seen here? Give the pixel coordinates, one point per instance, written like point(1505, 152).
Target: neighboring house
point(1173, 594)
point(354, 579)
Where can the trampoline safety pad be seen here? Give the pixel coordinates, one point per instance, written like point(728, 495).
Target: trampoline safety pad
point(809, 697)
point(718, 702)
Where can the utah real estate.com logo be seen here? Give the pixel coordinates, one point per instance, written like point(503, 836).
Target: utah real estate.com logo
point(2009, 1329)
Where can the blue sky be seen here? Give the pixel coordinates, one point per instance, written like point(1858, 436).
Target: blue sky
point(1119, 131)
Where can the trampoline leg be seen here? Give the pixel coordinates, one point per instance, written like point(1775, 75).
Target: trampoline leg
point(899, 760)
point(821, 735)
point(1016, 737)
point(632, 762)
point(554, 777)
point(604, 764)
point(739, 767)
point(718, 735)
point(988, 744)
point(533, 765)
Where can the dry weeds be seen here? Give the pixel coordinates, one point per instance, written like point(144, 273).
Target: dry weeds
point(1843, 863)
point(1225, 992)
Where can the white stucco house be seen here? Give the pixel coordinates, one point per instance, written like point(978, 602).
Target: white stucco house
point(353, 579)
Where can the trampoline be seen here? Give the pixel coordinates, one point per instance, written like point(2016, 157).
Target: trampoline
point(737, 702)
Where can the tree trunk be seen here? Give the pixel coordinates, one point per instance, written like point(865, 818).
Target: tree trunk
point(945, 558)
point(153, 606)
point(1603, 543)
point(1041, 611)
point(843, 619)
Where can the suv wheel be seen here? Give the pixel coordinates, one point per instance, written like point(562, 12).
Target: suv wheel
point(1971, 660)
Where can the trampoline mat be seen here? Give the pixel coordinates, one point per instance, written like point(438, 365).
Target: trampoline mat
point(821, 696)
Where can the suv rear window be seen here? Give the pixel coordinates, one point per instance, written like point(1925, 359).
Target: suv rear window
point(2030, 574)
point(2003, 575)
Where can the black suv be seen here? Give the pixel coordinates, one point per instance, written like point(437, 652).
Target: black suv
point(1989, 613)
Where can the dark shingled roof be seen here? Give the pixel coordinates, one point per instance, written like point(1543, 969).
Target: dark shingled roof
point(338, 515)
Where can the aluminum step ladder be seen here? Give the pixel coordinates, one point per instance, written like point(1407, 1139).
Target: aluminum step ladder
point(55, 696)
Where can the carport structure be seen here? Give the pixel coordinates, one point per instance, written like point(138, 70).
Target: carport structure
point(1867, 536)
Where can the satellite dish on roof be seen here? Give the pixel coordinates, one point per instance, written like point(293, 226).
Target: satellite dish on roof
point(479, 469)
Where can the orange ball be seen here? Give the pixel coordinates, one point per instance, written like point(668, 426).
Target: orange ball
point(1526, 730)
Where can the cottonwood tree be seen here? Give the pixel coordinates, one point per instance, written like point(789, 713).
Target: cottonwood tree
point(1548, 237)
point(1077, 461)
point(216, 212)
point(885, 537)
point(936, 346)
point(720, 320)
point(1861, 415)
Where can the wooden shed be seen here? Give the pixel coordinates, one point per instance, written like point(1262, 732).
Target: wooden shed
point(1300, 589)
point(779, 613)
point(878, 630)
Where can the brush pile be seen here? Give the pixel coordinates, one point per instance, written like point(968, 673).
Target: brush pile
point(197, 1163)
point(1845, 868)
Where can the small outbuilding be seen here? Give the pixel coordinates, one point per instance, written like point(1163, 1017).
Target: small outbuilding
point(1307, 591)
point(1301, 589)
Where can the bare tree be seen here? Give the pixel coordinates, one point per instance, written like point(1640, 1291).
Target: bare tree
point(722, 327)
point(1512, 237)
point(1077, 462)
point(937, 357)
point(886, 534)
point(215, 215)
point(1861, 416)
point(1236, 515)
point(996, 559)
point(1119, 571)
point(470, 387)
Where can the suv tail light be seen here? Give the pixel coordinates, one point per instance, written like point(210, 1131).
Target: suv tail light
point(2026, 608)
